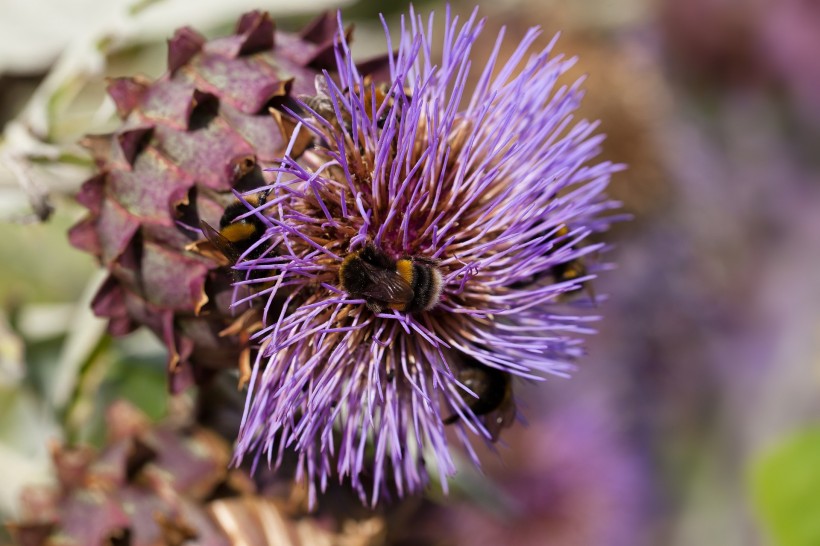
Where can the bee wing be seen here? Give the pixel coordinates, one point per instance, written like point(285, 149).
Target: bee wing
point(318, 104)
point(387, 286)
point(220, 242)
point(320, 83)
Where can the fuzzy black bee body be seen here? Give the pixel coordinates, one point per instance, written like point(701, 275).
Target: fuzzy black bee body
point(494, 402)
point(410, 284)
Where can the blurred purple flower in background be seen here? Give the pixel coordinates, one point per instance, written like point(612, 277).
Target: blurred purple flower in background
point(492, 190)
point(571, 478)
point(749, 44)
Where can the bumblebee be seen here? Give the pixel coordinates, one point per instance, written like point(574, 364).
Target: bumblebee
point(322, 104)
point(565, 271)
point(410, 284)
point(235, 237)
point(494, 403)
point(571, 270)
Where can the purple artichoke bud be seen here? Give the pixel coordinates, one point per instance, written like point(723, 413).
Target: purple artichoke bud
point(170, 484)
point(146, 486)
point(431, 247)
point(188, 140)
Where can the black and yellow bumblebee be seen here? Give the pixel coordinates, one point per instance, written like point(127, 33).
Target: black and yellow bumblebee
point(236, 236)
point(572, 269)
point(409, 284)
point(564, 271)
point(494, 403)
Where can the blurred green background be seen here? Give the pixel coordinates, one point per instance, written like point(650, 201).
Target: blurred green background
point(694, 418)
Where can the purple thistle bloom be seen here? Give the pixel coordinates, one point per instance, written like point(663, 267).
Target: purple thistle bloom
point(494, 187)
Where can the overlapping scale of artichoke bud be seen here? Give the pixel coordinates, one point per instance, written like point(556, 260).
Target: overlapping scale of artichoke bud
point(170, 484)
point(188, 140)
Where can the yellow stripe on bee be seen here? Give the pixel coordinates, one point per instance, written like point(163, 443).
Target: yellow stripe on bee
point(239, 231)
point(404, 268)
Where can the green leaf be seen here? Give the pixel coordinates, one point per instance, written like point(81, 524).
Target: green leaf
point(785, 486)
